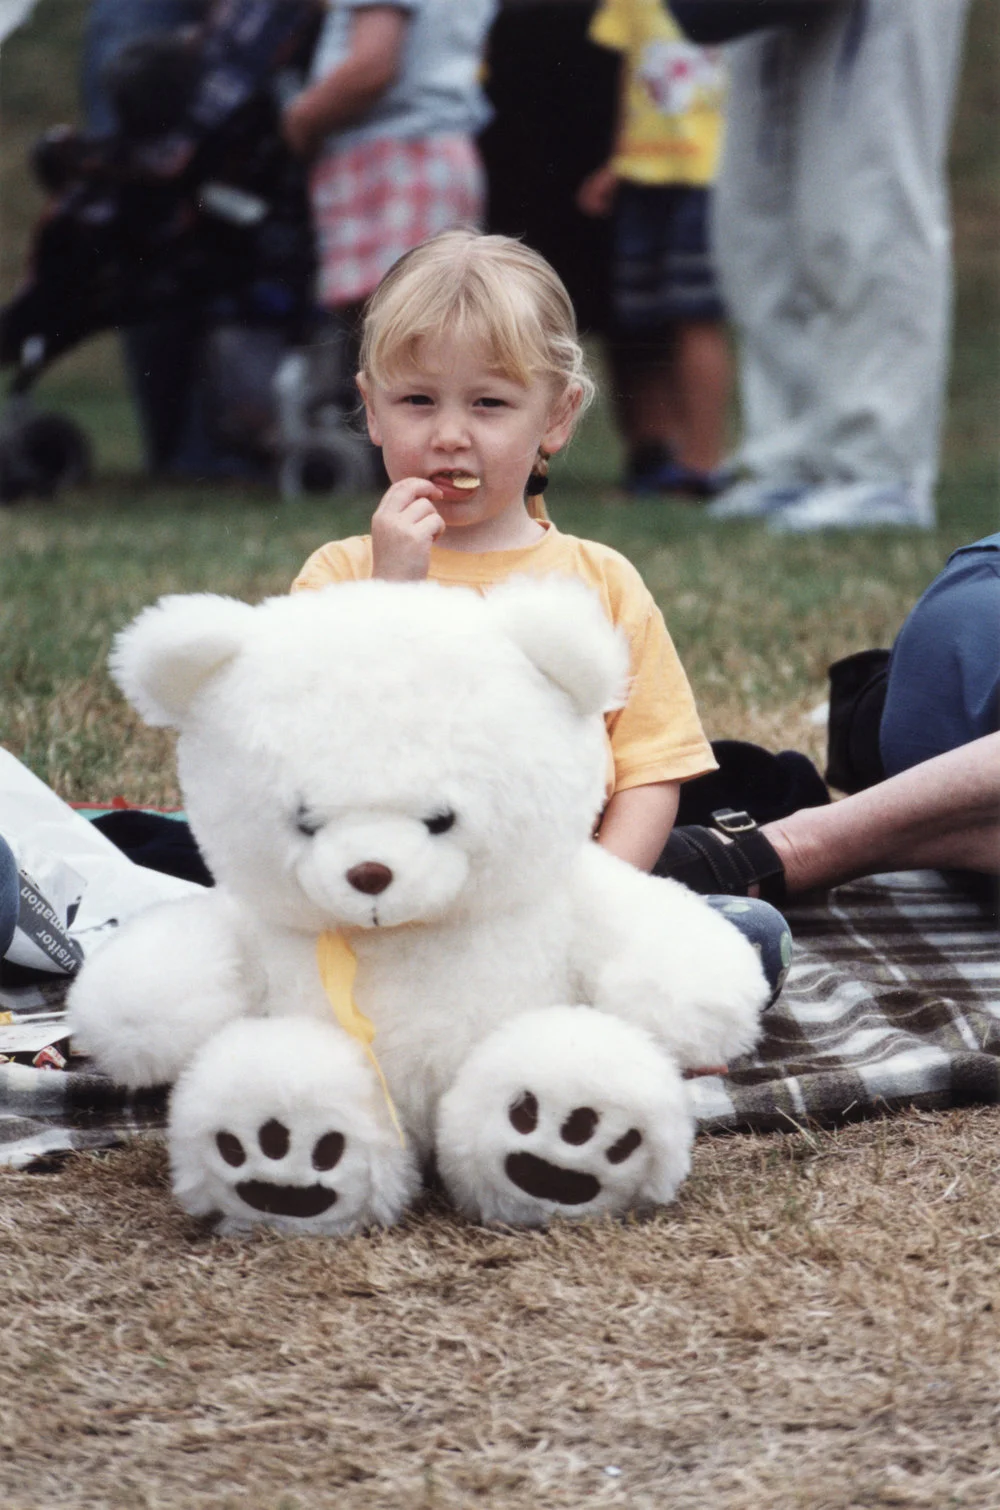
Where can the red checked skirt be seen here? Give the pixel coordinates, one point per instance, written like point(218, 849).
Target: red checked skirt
point(375, 201)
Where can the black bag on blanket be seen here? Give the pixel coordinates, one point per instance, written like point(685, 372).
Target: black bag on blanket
point(157, 842)
point(752, 780)
point(858, 686)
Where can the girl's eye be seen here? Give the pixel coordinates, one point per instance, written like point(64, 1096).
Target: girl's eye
point(491, 403)
point(416, 398)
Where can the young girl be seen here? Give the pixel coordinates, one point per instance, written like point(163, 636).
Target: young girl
point(472, 377)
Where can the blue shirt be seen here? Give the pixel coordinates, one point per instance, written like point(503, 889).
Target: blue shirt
point(944, 675)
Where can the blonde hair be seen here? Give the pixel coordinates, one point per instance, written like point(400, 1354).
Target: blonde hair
point(489, 290)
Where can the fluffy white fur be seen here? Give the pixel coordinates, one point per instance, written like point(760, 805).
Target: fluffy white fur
point(458, 743)
point(311, 1079)
point(579, 1059)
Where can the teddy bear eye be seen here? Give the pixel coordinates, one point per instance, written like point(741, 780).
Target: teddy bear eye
point(440, 823)
point(306, 823)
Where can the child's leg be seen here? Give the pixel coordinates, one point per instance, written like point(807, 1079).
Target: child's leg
point(701, 382)
point(670, 358)
point(702, 369)
point(763, 926)
point(642, 371)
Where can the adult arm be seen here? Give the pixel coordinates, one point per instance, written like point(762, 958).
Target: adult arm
point(943, 814)
point(350, 91)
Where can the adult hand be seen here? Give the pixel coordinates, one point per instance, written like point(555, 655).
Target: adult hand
point(404, 527)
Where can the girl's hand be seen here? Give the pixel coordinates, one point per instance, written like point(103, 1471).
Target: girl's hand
point(404, 527)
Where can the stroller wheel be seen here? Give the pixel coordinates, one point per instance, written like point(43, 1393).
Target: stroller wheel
point(40, 454)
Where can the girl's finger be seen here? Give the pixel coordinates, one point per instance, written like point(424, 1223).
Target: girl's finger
point(402, 494)
point(432, 524)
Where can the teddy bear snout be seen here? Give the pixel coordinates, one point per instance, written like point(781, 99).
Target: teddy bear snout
point(370, 877)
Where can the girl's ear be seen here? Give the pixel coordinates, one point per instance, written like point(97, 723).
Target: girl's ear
point(562, 418)
point(364, 388)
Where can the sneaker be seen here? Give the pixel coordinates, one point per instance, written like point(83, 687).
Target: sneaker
point(754, 500)
point(856, 505)
point(671, 476)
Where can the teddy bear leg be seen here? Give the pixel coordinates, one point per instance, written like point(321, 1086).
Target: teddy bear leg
point(157, 989)
point(564, 1111)
point(282, 1122)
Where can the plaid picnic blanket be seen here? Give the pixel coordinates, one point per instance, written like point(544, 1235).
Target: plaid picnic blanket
point(892, 1000)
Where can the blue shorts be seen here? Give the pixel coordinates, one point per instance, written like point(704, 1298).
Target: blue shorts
point(765, 928)
point(662, 272)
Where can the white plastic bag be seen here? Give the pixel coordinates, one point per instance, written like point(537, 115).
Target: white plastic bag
point(75, 885)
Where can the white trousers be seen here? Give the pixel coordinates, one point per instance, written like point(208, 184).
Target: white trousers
point(833, 241)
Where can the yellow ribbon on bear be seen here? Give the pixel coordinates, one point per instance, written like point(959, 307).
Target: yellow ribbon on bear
point(337, 969)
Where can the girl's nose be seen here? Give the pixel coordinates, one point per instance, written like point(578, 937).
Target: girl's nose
point(451, 430)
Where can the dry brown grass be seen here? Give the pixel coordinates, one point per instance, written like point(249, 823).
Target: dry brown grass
point(813, 1326)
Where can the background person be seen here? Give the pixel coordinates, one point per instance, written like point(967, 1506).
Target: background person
point(553, 97)
point(390, 117)
point(668, 349)
point(162, 356)
point(833, 241)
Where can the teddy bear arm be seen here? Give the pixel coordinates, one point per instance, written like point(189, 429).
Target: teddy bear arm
point(160, 987)
point(651, 951)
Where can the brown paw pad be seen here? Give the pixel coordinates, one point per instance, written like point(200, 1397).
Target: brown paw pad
point(286, 1200)
point(267, 1196)
point(549, 1181)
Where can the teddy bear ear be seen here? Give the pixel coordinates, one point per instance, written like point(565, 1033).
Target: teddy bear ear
point(562, 629)
point(165, 655)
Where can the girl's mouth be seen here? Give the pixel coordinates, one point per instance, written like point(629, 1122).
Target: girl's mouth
point(462, 482)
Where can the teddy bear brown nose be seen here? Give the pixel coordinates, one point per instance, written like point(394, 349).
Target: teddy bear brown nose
point(369, 877)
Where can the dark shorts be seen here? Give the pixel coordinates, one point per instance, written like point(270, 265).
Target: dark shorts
point(662, 271)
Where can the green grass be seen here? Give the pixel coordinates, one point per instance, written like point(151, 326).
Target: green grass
point(757, 619)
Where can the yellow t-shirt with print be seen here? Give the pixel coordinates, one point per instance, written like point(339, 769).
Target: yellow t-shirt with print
point(671, 128)
point(657, 736)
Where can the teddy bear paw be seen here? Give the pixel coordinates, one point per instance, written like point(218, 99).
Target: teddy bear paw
point(564, 1111)
point(280, 1122)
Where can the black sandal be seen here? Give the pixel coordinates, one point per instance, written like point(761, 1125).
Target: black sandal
point(705, 862)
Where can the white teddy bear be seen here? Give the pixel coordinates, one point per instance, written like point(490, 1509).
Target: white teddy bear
point(408, 776)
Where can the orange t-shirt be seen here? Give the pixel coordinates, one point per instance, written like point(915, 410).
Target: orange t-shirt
point(657, 736)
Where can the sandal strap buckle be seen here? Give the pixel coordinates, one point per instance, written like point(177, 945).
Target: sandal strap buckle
point(733, 821)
